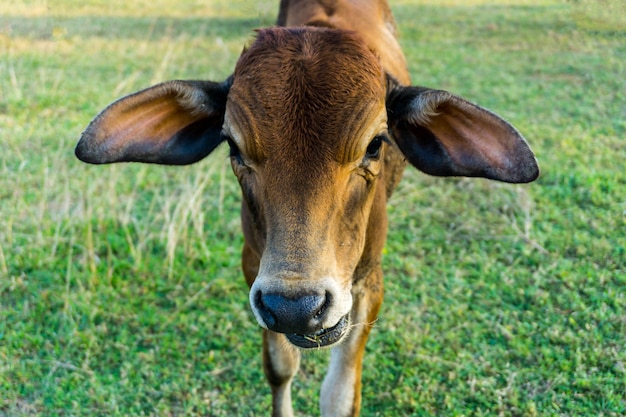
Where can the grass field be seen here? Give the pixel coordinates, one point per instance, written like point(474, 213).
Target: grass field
point(120, 288)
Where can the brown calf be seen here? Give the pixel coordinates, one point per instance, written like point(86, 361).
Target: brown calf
point(319, 120)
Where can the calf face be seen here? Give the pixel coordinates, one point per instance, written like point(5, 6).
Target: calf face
point(307, 124)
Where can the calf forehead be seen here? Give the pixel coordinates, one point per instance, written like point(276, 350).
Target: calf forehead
point(305, 91)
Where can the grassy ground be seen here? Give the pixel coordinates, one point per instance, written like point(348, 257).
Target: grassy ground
point(120, 291)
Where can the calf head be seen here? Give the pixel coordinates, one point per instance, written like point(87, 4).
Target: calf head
point(314, 126)
point(306, 122)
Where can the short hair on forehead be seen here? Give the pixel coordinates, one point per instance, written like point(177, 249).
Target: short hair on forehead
point(311, 47)
point(309, 85)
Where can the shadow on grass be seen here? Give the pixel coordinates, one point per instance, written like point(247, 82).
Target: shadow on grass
point(587, 17)
point(482, 18)
point(114, 27)
point(511, 19)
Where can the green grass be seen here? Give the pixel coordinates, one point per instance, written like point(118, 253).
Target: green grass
point(120, 288)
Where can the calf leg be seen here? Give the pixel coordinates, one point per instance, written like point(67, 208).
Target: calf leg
point(341, 390)
point(280, 363)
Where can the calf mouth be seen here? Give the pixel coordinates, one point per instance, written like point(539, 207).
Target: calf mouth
point(321, 338)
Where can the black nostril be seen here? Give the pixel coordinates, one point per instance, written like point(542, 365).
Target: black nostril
point(324, 306)
point(303, 314)
point(266, 314)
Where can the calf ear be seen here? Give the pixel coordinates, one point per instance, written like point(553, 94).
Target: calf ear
point(173, 123)
point(445, 135)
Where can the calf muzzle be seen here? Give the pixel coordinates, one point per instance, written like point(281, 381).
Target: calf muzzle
point(303, 314)
point(300, 318)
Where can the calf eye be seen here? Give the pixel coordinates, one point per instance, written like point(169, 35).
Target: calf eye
point(373, 149)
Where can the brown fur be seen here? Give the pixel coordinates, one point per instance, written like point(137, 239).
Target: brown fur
point(315, 77)
point(312, 90)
